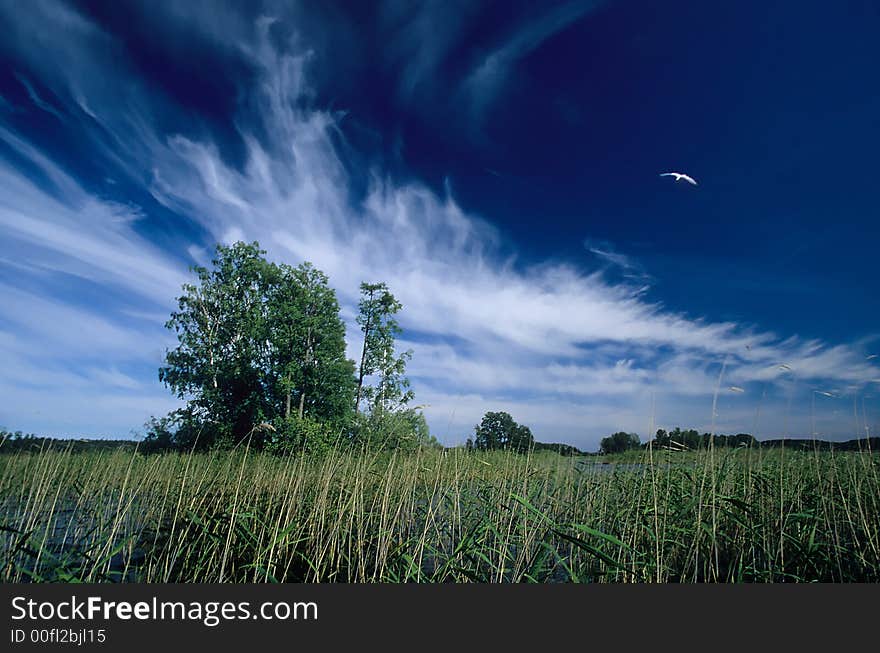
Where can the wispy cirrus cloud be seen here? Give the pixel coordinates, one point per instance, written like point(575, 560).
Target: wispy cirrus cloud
point(627, 266)
point(36, 99)
point(60, 227)
point(420, 37)
point(488, 78)
point(572, 352)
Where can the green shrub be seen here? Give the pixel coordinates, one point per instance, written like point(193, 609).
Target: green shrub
point(302, 434)
point(401, 429)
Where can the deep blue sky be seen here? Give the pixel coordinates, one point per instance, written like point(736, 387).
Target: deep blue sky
point(773, 105)
point(511, 149)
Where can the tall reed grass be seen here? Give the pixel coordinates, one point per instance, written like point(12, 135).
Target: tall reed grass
point(745, 515)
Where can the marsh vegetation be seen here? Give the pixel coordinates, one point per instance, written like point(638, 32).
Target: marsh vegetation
point(735, 515)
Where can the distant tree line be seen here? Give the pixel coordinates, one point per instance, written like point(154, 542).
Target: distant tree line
point(261, 359)
point(805, 444)
point(691, 439)
point(674, 440)
point(13, 442)
point(558, 447)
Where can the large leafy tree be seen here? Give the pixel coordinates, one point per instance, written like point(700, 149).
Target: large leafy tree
point(222, 361)
point(258, 342)
point(498, 430)
point(376, 311)
point(313, 376)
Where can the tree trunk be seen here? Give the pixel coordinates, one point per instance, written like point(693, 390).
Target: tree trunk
point(287, 406)
point(367, 326)
point(308, 362)
point(357, 401)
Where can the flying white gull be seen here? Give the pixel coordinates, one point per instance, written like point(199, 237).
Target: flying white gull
point(679, 176)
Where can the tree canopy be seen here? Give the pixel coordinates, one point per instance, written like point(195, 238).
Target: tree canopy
point(222, 364)
point(498, 430)
point(307, 340)
point(376, 311)
point(619, 442)
point(261, 351)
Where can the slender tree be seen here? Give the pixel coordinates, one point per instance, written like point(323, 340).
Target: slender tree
point(376, 311)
